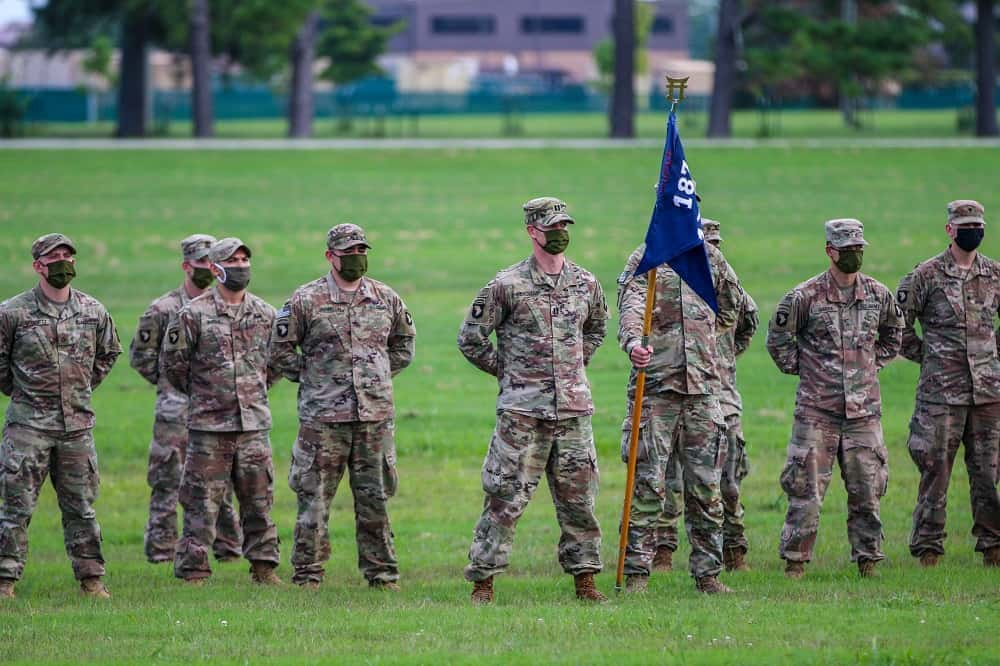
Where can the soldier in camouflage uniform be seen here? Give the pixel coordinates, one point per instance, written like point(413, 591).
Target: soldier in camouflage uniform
point(169, 445)
point(681, 417)
point(56, 346)
point(836, 331)
point(216, 352)
point(343, 338)
point(731, 342)
point(955, 296)
point(550, 317)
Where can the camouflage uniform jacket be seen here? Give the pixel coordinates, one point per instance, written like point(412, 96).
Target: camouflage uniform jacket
point(835, 346)
point(52, 358)
point(144, 354)
point(732, 342)
point(218, 356)
point(684, 328)
point(547, 330)
point(957, 310)
point(352, 345)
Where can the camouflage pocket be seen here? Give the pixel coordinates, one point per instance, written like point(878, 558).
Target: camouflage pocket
point(159, 461)
point(390, 477)
point(499, 470)
point(641, 452)
point(882, 474)
point(301, 476)
point(94, 478)
point(795, 477)
point(11, 466)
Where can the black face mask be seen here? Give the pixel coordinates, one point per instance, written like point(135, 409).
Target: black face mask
point(234, 278)
point(969, 238)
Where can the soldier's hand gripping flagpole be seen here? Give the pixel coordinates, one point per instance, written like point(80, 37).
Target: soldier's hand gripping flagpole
point(674, 237)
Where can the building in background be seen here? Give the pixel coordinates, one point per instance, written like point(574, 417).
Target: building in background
point(446, 45)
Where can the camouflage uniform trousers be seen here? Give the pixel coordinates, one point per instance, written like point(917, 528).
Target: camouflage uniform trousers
point(936, 430)
point(521, 450)
point(818, 439)
point(735, 468)
point(214, 461)
point(690, 428)
point(166, 465)
point(27, 456)
point(322, 452)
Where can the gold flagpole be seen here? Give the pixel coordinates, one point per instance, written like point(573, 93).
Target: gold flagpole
point(673, 85)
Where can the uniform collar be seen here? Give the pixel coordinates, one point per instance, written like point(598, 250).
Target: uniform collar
point(223, 308)
point(46, 306)
point(950, 267)
point(365, 291)
point(540, 277)
point(834, 294)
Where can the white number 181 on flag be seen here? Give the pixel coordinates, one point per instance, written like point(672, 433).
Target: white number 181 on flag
point(685, 185)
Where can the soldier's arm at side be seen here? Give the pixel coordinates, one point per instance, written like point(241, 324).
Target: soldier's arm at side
point(890, 331)
point(910, 302)
point(109, 348)
point(144, 351)
point(483, 317)
point(7, 327)
point(782, 333)
point(596, 325)
point(289, 330)
point(402, 338)
point(747, 325)
point(175, 356)
point(728, 294)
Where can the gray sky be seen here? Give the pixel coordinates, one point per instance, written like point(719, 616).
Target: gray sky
point(15, 10)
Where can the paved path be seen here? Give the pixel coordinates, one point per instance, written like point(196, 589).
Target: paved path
point(483, 144)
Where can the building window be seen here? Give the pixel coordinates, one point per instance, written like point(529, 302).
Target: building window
point(567, 25)
point(469, 24)
point(663, 25)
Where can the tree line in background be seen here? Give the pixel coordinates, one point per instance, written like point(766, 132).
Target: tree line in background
point(276, 41)
point(837, 51)
point(843, 51)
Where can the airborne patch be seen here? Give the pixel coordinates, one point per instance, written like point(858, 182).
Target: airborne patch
point(901, 296)
point(283, 329)
point(781, 318)
point(478, 306)
point(409, 318)
point(144, 336)
point(173, 335)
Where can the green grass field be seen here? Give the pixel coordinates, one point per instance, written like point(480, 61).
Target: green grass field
point(791, 124)
point(442, 223)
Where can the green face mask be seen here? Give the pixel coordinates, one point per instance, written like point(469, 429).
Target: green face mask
point(353, 266)
point(556, 241)
point(60, 273)
point(202, 277)
point(850, 260)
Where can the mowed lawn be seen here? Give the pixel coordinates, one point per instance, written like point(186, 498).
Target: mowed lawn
point(442, 223)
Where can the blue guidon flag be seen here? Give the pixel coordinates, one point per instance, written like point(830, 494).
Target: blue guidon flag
point(675, 236)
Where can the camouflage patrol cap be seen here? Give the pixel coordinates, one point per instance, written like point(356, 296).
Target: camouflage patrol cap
point(711, 229)
point(546, 211)
point(225, 248)
point(42, 246)
point(966, 211)
point(845, 232)
point(344, 236)
point(196, 246)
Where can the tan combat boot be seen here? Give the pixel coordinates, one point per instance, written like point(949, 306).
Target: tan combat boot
point(482, 592)
point(866, 568)
point(929, 560)
point(384, 585)
point(711, 585)
point(636, 583)
point(794, 570)
point(991, 557)
point(6, 588)
point(262, 573)
point(663, 561)
point(585, 588)
point(93, 587)
point(732, 559)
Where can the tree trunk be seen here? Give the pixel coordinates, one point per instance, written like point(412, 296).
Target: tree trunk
point(300, 98)
point(848, 104)
point(724, 79)
point(202, 116)
point(621, 114)
point(986, 78)
point(133, 99)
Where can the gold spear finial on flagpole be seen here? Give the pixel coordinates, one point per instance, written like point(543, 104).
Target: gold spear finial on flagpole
point(675, 86)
